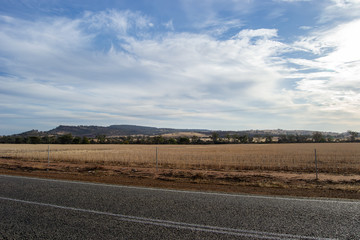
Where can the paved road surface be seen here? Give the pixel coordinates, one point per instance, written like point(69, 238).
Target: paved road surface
point(33, 208)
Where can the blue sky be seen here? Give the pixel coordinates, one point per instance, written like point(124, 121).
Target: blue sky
point(215, 64)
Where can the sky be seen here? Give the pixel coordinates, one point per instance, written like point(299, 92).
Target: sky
point(204, 64)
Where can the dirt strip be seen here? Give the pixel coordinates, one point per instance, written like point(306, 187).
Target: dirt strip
point(252, 182)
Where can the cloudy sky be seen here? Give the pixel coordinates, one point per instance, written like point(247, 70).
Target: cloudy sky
point(214, 64)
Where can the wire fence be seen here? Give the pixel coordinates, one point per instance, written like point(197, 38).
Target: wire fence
point(339, 158)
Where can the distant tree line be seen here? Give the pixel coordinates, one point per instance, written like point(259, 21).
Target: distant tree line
point(215, 138)
point(63, 139)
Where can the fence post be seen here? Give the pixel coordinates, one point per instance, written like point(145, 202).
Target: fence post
point(48, 158)
point(156, 158)
point(316, 166)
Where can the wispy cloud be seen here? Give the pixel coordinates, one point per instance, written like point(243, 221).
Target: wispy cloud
point(204, 15)
point(169, 25)
point(332, 83)
point(340, 10)
point(114, 66)
point(121, 22)
point(172, 73)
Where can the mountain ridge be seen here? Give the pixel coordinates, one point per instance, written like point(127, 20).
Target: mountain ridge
point(128, 130)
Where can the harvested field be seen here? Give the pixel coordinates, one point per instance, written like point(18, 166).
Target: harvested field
point(283, 169)
point(341, 158)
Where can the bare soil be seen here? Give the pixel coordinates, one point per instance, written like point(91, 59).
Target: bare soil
point(252, 182)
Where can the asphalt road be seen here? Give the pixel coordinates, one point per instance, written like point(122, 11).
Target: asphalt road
point(32, 208)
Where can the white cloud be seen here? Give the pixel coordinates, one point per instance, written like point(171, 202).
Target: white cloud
point(119, 21)
point(56, 69)
point(174, 74)
point(169, 25)
point(205, 17)
point(340, 10)
point(264, 33)
point(305, 27)
point(291, 0)
point(332, 85)
point(337, 48)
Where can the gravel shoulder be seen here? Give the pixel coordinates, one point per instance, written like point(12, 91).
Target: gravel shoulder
point(252, 182)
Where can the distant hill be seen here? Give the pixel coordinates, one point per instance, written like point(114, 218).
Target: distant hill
point(110, 131)
point(277, 133)
point(127, 130)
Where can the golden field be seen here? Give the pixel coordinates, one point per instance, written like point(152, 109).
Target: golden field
point(339, 158)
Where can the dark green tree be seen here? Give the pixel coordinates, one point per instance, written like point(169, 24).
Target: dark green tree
point(85, 140)
point(291, 138)
point(244, 138)
point(301, 138)
point(20, 140)
point(65, 139)
point(228, 137)
point(159, 140)
point(9, 139)
point(172, 141)
point(195, 140)
point(330, 139)
point(183, 140)
point(215, 137)
point(34, 140)
point(283, 139)
point(268, 139)
point(235, 138)
point(318, 137)
point(45, 140)
point(353, 135)
point(101, 138)
point(76, 140)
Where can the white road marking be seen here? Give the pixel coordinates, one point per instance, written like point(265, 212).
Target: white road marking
point(325, 200)
point(172, 224)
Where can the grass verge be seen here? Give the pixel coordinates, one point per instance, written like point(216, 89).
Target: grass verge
point(250, 182)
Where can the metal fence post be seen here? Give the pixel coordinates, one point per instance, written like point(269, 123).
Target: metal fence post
point(316, 166)
point(156, 158)
point(48, 158)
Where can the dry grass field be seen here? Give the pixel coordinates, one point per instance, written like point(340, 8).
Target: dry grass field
point(276, 169)
point(339, 158)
